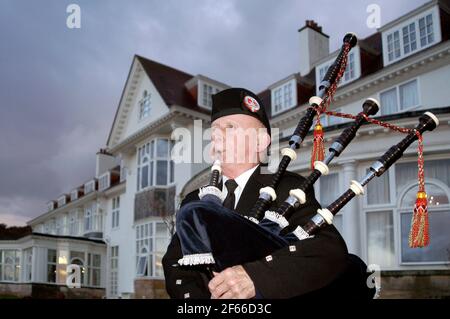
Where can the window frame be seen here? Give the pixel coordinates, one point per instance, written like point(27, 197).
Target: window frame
point(115, 212)
point(282, 95)
point(323, 68)
point(146, 238)
point(144, 110)
point(395, 208)
point(152, 164)
point(114, 271)
point(435, 16)
point(201, 93)
point(104, 181)
point(402, 210)
point(397, 92)
point(51, 263)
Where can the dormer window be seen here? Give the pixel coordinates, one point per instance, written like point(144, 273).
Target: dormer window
point(89, 187)
point(51, 205)
point(284, 97)
point(104, 181)
point(411, 36)
point(144, 105)
point(352, 71)
point(206, 92)
point(62, 200)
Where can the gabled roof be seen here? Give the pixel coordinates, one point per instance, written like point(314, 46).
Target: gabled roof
point(168, 81)
point(170, 84)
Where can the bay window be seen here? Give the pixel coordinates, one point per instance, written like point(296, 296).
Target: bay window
point(155, 167)
point(9, 265)
point(152, 240)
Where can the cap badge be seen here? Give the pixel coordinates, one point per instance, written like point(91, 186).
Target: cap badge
point(251, 104)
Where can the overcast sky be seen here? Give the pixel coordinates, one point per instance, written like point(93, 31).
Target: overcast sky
point(59, 87)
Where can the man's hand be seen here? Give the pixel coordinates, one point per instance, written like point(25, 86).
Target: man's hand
point(232, 283)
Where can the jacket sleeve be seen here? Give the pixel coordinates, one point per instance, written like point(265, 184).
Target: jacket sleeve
point(305, 267)
point(183, 282)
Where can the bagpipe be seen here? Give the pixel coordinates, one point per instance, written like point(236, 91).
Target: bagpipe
point(201, 224)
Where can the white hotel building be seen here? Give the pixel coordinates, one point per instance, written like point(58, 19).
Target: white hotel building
point(116, 225)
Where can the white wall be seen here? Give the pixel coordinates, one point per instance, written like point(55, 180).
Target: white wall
point(158, 107)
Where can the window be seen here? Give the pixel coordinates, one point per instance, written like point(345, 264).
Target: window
point(437, 175)
point(114, 270)
point(378, 191)
point(94, 269)
point(58, 226)
point(400, 98)
point(74, 195)
point(155, 168)
point(28, 260)
point(89, 187)
point(380, 238)
point(73, 223)
point(51, 265)
point(144, 105)
point(62, 201)
point(329, 191)
point(88, 217)
point(409, 96)
point(284, 97)
point(409, 37)
point(207, 92)
point(152, 240)
point(388, 100)
point(389, 208)
point(104, 181)
point(352, 71)
point(115, 212)
point(329, 188)
point(51, 205)
point(9, 265)
point(439, 221)
point(77, 258)
point(123, 171)
point(393, 42)
point(426, 30)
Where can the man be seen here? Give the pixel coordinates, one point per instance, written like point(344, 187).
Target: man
point(314, 263)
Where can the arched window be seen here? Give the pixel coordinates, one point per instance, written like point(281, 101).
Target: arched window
point(438, 251)
point(78, 261)
point(88, 219)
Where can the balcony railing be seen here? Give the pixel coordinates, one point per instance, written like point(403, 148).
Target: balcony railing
point(154, 202)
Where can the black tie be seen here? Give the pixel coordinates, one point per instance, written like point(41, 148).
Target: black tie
point(231, 198)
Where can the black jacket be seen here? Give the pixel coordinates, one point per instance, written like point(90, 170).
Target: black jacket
point(314, 264)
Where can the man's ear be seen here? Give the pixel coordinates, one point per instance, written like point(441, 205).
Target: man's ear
point(263, 140)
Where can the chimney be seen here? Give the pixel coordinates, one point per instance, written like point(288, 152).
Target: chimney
point(314, 45)
point(104, 162)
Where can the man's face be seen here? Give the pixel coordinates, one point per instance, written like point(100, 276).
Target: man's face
point(236, 139)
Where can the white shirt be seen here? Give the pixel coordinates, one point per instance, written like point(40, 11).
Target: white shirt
point(241, 180)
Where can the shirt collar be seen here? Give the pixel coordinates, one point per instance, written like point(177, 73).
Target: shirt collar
point(242, 179)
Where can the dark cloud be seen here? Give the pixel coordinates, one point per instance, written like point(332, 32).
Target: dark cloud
point(59, 88)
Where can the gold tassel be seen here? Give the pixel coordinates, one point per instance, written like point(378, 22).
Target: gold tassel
point(318, 150)
point(419, 234)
